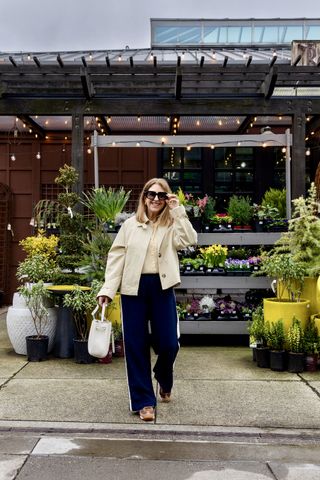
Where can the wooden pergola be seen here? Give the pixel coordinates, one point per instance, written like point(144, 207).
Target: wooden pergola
point(84, 88)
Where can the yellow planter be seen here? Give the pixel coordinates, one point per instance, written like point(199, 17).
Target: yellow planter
point(114, 311)
point(316, 318)
point(310, 290)
point(275, 309)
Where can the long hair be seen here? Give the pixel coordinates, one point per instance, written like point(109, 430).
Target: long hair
point(164, 218)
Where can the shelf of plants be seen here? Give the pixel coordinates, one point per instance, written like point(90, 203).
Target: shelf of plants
point(228, 264)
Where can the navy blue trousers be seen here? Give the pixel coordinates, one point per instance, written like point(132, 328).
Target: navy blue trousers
point(157, 306)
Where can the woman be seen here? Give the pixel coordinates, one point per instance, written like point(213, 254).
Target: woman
point(143, 262)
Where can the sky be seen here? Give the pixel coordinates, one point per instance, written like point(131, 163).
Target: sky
point(67, 25)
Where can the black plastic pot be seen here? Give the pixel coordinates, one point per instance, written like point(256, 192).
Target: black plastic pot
point(278, 360)
point(37, 348)
point(263, 357)
point(81, 354)
point(295, 362)
point(311, 362)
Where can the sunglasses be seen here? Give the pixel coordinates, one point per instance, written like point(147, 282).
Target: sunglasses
point(151, 195)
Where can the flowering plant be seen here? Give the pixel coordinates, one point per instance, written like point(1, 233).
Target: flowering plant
point(227, 306)
point(193, 306)
point(194, 206)
point(206, 304)
point(254, 261)
point(236, 264)
point(214, 256)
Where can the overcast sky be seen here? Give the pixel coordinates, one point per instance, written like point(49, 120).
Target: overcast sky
point(60, 25)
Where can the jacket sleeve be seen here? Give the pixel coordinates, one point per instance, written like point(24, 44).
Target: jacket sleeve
point(115, 265)
point(184, 234)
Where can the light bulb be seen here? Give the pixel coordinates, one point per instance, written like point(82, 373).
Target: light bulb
point(38, 156)
point(89, 150)
point(13, 157)
point(308, 152)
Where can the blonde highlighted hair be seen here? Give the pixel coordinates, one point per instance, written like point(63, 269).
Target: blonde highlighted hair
point(164, 217)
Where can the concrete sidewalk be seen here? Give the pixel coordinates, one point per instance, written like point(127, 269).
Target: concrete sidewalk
point(229, 420)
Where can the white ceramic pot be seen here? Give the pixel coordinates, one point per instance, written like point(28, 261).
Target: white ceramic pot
point(20, 325)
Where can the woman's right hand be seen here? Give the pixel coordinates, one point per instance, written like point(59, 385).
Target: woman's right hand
point(103, 300)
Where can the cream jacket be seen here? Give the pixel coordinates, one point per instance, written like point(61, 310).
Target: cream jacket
point(127, 254)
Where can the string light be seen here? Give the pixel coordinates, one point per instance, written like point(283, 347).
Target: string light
point(38, 156)
point(12, 157)
point(308, 152)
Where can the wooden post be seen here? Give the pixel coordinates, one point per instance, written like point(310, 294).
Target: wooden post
point(298, 162)
point(77, 160)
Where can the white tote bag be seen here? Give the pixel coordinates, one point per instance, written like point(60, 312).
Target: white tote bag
point(100, 335)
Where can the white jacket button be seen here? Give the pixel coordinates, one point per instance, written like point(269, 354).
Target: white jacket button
point(163, 275)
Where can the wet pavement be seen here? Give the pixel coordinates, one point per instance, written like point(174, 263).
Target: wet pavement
point(228, 420)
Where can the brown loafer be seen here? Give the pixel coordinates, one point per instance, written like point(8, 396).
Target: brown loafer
point(147, 414)
point(165, 396)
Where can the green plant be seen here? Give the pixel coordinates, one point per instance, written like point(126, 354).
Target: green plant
point(275, 198)
point(311, 338)
point(106, 204)
point(67, 178)
point(303, 236)
point(240, 209)
point(95, 251)
point(40, 245)
point(35, 296)
point(275, 335)
point(295, 337)
point(209, 209)
point(37, 268)
point(117, 330)
point(82, 302)
point(214, 256)
point(288, 272)
point(256, 327)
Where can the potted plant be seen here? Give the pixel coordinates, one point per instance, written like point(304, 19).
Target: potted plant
point(226, 309)
point(258, 338)
point(295, 343)
point(289, 275)
point(40, 262)
point(275, 342)
point(241, 211)
point(208, 212)
point(106, 204)
point(303, 241)
point(275, 210)
point(311, 346)
point(221, 222)
point(213, 258)
point(235, 266)
point(81, 302)
point(207, 305)
point(35, 296)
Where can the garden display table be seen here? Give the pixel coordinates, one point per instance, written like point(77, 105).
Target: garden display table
point(65, 332)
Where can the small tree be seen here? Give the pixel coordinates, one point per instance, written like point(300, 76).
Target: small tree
point(257, 328)
point(35, 296)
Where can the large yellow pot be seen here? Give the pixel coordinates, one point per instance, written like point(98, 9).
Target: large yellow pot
point(114, 311)
point(316, 318)
point(275, 309)
point(310, 290)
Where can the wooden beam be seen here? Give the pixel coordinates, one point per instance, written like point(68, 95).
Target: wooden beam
point(59, 60)
point(102, 120)
point(267, 86)
point(249, 61)
point(225, 61)
point(33, 125)
point(201, 61)
point(77, 160)
point(245, 124)
point(178, 84)
point(12, 60)
point(273, 61)
point(297, 60)
point(159, 106)
point(298, 162)
point(37, 61)
point(86, 84)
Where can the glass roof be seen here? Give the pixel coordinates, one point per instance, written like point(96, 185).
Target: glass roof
point(167, 32)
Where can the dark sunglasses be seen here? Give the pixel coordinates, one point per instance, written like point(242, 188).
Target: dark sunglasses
point(151, 195)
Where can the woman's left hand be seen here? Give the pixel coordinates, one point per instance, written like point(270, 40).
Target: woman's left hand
point(172, 201)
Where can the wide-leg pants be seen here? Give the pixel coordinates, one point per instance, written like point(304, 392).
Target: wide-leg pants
point(157, 306)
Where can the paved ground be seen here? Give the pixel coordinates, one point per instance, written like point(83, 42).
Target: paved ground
point(228, 420)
